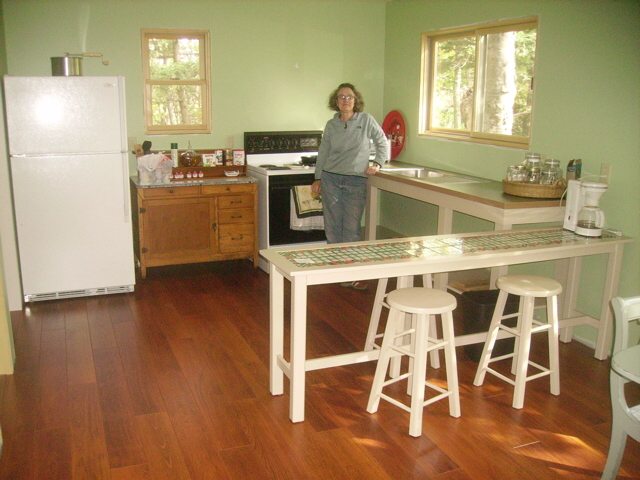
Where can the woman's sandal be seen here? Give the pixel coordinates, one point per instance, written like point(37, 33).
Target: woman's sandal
point(357, 285)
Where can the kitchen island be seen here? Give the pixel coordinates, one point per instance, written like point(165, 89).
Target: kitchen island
point(204, 220)
point(304, 267)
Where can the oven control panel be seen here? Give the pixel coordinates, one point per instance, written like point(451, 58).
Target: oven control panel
point(282, 142)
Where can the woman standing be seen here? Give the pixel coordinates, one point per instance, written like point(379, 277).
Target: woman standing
point(343, 165)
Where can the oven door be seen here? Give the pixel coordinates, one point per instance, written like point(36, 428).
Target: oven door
point(280, 232)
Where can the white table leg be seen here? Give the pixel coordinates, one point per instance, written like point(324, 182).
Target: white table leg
point(298, 347)
point(614, 264)
point(276, 330)
point(445, 225)
point(497, 272)
point(371, 213)
point(568, 273)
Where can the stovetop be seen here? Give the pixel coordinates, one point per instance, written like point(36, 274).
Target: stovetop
point(281, 153)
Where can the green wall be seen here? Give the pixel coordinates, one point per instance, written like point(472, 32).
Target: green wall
point(274, 63)
point(586, 105)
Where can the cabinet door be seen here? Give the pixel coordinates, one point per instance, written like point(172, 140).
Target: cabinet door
point(178, 230)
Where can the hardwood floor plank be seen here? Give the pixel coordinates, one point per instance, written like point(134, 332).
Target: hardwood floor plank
point(124, 448)
point(100, 327)
point(134, 472)
point(88, 447)
point(165, 459)
point(53, 454)
point(18, 460)
point(52, 380)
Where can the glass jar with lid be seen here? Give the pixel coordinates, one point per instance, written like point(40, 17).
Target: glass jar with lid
point(551, 172)
point(532, 164)
point(516, 173)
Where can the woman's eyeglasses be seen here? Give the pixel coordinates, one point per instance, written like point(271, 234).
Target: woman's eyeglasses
point(346, 98)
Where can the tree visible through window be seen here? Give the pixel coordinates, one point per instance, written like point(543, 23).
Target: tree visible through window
point(176, 71)
point(477, 84)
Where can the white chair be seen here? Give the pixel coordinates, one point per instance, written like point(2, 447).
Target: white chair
point(422, 303)
point(528, 287)
point(625, 367)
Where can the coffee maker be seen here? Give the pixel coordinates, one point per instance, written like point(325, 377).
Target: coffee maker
point(582, 213)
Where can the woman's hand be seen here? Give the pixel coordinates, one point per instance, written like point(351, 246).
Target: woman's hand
point(373, 169)
point(315, 188)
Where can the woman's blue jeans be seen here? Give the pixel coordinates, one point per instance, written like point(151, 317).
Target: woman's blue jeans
point(343, 200)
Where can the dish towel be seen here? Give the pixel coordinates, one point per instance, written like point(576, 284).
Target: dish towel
point(306, 211)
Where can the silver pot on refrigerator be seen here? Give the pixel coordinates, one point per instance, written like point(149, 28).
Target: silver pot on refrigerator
point(67, 66)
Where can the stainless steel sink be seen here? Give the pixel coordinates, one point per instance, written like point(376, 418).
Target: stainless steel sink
point(429, 176)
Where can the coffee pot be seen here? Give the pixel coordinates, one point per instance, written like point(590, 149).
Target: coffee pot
point(582, 213)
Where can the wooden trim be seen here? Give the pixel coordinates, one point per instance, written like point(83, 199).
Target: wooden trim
point(427, 82)
point(204, 82)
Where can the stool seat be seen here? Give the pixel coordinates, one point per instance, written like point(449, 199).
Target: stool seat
point(411, 312)
point(428, 301)
point(529, 285)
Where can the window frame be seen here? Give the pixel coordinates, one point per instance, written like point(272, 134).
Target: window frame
point(203, 82)
point(427, 82)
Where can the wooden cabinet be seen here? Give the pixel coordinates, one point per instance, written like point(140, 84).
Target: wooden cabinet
point(195, 223)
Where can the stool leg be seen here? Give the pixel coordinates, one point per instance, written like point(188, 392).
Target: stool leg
point(434, 356)
point(451, 363)
point(554, 355)
point(523, 352)
point(383, 360)
point(418, 376)
point(412, 349)
point(516, 340)
point(492, 335)
point(374, 321)
point(405, 281)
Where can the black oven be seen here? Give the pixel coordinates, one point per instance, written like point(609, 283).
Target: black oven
point(280, 232)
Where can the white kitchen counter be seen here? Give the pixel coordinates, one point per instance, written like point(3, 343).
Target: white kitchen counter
point(452, 192)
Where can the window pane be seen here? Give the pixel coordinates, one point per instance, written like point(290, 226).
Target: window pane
point(453, 83)
point(176, 104)
point(505, 94)
point(174, 59)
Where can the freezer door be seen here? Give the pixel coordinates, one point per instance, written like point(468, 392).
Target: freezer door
point(54, 115)
point(73, 222)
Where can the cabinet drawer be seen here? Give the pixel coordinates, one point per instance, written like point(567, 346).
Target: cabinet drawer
point(235, 201)
point(219, 189)
point(236, 238)
point(169, 192)
point(235, 215)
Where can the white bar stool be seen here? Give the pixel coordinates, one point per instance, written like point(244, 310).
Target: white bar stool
point(422, 303)
point(528, 288)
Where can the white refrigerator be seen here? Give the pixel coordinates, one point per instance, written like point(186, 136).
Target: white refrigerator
point(70, 181)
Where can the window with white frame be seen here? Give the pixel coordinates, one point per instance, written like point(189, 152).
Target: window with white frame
point(477, 83)
point(176, 81)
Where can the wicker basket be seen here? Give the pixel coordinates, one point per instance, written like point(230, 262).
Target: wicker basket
point(534, 190)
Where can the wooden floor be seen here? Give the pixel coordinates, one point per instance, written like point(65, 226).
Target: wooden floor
point(171, 382)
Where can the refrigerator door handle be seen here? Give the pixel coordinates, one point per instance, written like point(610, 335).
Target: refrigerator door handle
point(125, 188)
